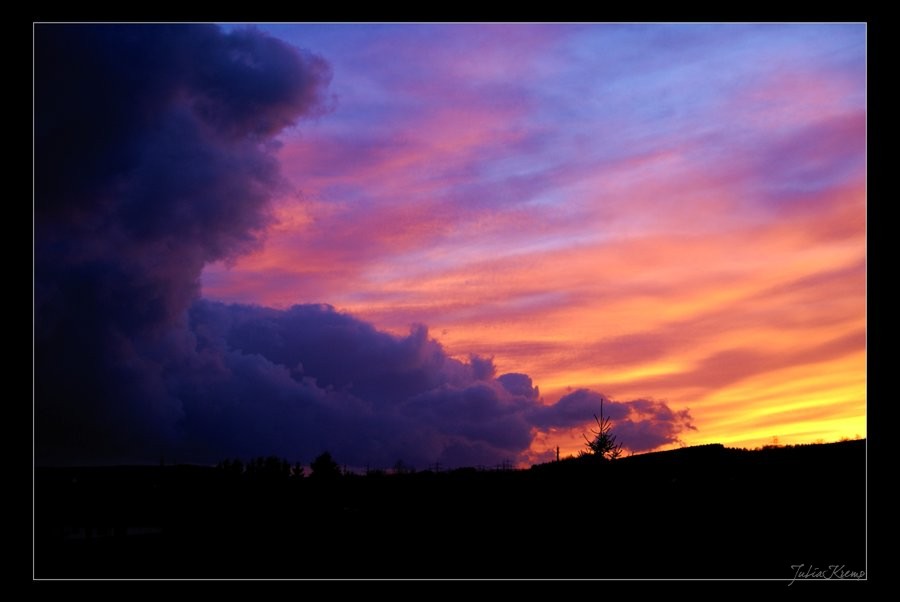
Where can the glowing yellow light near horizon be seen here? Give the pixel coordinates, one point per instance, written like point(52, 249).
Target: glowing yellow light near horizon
point(775, 384)
point(822, 405)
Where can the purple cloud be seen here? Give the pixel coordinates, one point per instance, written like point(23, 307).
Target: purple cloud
point(153, 156)
point(519, 384)
point(341, 384)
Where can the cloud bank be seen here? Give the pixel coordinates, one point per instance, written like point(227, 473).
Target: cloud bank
point(154, 156)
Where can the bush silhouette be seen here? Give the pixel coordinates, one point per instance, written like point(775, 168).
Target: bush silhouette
point(325, 468)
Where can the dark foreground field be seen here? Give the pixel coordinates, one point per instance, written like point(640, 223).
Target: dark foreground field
point(702, 512)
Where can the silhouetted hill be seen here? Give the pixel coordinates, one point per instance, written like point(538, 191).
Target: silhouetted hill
point(698, 512)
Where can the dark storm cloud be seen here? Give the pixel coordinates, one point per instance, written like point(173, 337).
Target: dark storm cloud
point(108, 98)
point(372, 397)
point(309, 378)
point(150, 160)
point(154, 156)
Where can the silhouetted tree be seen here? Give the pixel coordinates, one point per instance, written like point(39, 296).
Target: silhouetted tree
point(270, 468)
point(231, 468)
point(603, 444)
point(324, 467)
point(401, 468)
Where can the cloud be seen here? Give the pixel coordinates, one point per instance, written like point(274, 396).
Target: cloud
point(333, 381)
point(154, 156)
point(519, 384)
point(639, 425)
point(369, 396)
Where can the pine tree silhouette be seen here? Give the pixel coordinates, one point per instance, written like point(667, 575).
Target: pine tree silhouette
point(603, 444)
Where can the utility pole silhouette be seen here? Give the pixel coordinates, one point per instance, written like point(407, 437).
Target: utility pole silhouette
point(557, 453)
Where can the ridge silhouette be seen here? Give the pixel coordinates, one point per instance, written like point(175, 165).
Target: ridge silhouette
point(696, 512)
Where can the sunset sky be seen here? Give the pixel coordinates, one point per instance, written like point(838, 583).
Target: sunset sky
point(669, 215)
point(672, 211)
